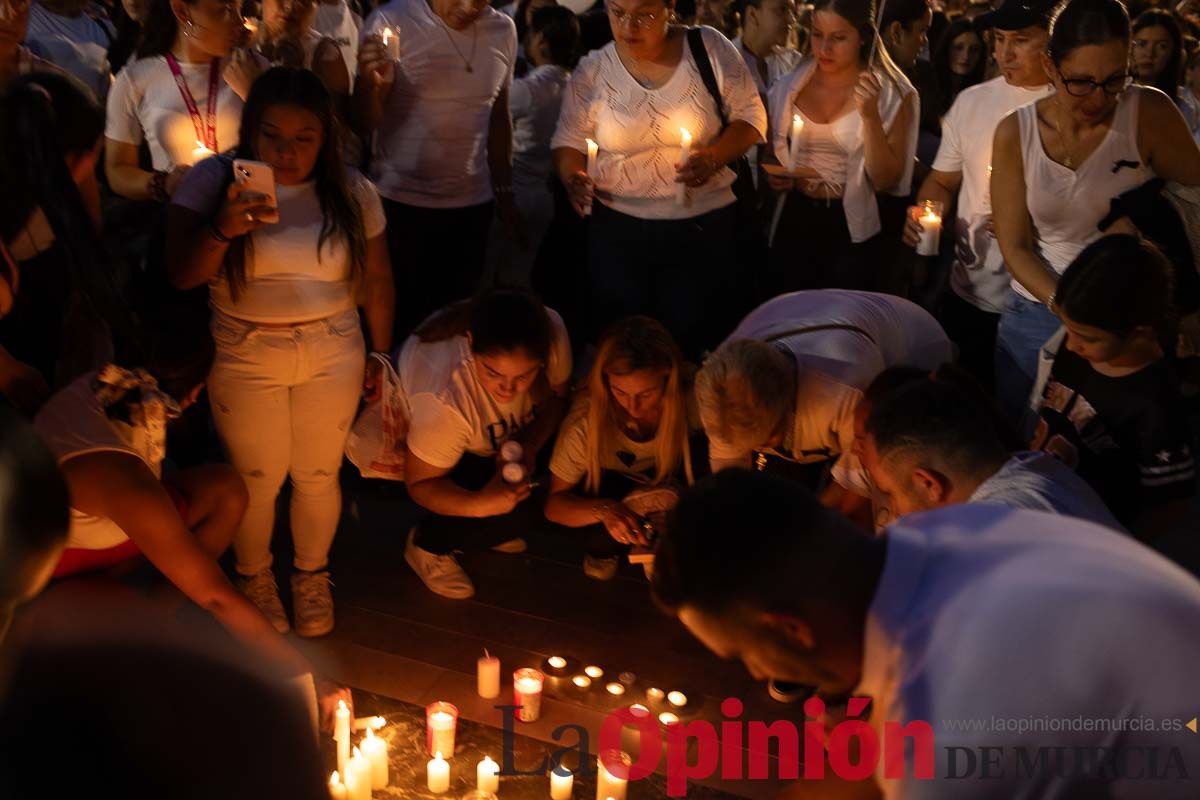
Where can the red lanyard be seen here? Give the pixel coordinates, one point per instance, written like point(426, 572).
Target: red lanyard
point(206, 129)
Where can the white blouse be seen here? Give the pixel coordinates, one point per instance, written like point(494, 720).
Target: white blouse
point(638, 129)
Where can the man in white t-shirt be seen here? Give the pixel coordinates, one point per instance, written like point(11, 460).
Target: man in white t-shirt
point(76, 37)
point(442, 152)
point(979, 281)
point(1025, 654)
point(766, 30)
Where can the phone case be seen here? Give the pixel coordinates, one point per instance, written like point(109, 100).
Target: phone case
point(257, 177)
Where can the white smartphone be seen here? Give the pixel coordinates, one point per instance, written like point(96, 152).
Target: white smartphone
point(257, 177)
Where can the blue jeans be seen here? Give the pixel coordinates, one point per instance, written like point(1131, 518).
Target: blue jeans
point(1025, 325)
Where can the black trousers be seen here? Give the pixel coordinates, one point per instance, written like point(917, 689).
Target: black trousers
point(437, 257)
point(681, 272)
point(812, 250)
point(974, 331)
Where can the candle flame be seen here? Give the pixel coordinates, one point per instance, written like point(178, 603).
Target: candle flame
point(370, 733)
point(335, 779)
point(357, 754)
point(387, 35)
point(342, 705)
point(685, 135)
point(558, 662)
point(438, 756)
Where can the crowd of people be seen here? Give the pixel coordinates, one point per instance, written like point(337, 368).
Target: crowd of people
point(553, 268)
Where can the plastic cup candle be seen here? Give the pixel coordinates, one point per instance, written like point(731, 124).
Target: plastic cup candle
point(677, 699)
point(376, 751)
point(441, 719)
point(638, 710)
point(437, 774)
point(561, 782)
point(582, 681)
point(358, 777)
point(341, 735)
point(527, 693)
point(685, 152)
point(931, 227)
point(655, 695)
point(392, 42)
point(486, 777)
point(794, 142)
point(607, 784)
point(593, 672)
point(615, 689)
point(487, 676)
point(337, 789)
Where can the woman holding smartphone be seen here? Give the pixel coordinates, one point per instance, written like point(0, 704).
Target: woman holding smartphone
point(286, 282)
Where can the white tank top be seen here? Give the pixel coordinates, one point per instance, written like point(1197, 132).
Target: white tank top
point(1066, 205)
point(826, 146)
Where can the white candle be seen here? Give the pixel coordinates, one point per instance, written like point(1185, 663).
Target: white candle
point(392, 42)
point(685, 151)
point(341, 735)
point(615, 688)
point(376, 751)
point(362, 723)
point(487, 676)
point(560, 785)
point(582, 681)
point(655, 695)
point(437, 774)
point(441, 732)
point(609, 785)
point(486, 779)
point(931, 228)
point(593, 672)
point(677, 699)
point(987, 192)
point(200, 153)
point(527, 693)
point(337, 789)
point(592, 150)
point(794, 143)
point(358, 777)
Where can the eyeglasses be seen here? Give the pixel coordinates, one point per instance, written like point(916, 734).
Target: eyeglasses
point(1081, 87)
point(635, 21)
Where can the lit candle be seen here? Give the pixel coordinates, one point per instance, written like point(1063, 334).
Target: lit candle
point(655, 695)
point(592, 150)
point(392, 42)
point(362, 723)
point(987, 192)
point(251, 25)
point(582, 681)
point(794, 143)
point(527, 693)
point(931, 228)
point(441, 719)
point(486, 777)
point(667, 718)
point(341, 735)
point(558, 662)
point(609, 785)
point(593, 672)
point(376, 751)
point(615, 688)
point(337, 789)
point(487, 676)
point(561, 783)
point(681, 189)
point(639, 710)
point(437, 774)
point(677, 699)
point(200, 153)
point(358, 777)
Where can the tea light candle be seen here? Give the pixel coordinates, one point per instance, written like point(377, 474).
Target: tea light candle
point(341, 735)
point(667, 718)
point(392, 42)
point(527, 693)
point(794, 143)
point(557, 662)
point(615, 689)
point(561, 783)
point(582, 681)
point(486, 777)
point(655, 695)
point(677, 699)
point(593, 672)
point(639, 710)
point(376, 751)
point(358, 777)
point(487, 676)
point(931, 228)
point(609, 786)
point(337, 789)
point(681, 189)
point(441, 719)
point(437, 774)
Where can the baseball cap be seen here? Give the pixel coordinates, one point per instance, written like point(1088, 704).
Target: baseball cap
point(1013, 15)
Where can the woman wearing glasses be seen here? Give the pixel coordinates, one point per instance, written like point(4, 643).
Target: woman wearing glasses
point(663, 227)
point(1058, 163)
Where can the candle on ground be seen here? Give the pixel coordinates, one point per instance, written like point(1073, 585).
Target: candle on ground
point(561, 783)
point(437, 774)
point(794, 143)
point(655, 695)
point(486, 777)
point(593, 672)
point(341, 735)
point(931, 228)
point(667, 718)
point(358, 777)
point(582, 681)
point(638, 710)
point(685, 152)
point(527, 693)
point(487, 676)
point(607, 784)
point(441, 719)
point(337, 789)
point(558, 662)
point(376, 751)
point(677, 699)
point(615, 688)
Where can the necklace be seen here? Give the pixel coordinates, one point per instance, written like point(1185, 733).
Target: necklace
point(1068, 160)
point(467, 62)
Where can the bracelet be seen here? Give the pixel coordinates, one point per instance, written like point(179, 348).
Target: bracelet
point(1050, 304)
point(158, 187)
point(215, 233)
point(381, 355)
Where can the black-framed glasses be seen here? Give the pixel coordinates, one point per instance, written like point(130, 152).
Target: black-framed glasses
point(1082, 87)
point(637, 21)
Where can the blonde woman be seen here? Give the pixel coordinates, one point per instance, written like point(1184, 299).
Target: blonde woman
point(628, 428)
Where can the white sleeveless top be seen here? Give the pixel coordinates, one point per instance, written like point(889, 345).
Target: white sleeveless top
point(1066, 205)
point(826, 146)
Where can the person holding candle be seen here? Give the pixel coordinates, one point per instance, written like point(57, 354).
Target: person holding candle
point(860, 118)
point(474, 376)
point(628, 428)
point(635, 97)
point(961, 174)
point(286, 284)
point(1058, 164)
point(442, 146)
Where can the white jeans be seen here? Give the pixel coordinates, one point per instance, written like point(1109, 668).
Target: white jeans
point(283, 399)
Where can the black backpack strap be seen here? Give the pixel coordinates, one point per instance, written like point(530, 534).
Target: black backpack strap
point(695, 38)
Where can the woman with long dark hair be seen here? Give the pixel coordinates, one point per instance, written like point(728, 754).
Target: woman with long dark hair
point(958, 62)
point(1158, 53)
point(286, 282)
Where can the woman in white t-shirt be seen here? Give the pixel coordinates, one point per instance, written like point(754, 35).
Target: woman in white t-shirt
point(287, 37)
point(478, 377)
point(663, 234)
point(286, 282)
point(628, 428)
point(859, 137)
point(1058, 163)
point(182, 96)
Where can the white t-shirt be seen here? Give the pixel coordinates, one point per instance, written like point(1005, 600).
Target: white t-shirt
point(72, 423)
point(978, 275)
point(286, 281)
point(638, 129)
point(986, 619)
point(450, 411)
point(78, 44)
point(534, 102)
point(835, 365)
point(339, 23)
point(146, 104)
point(431, 148)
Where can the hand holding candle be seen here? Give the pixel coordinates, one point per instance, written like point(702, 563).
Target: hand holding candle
point(685, 152)
point(930, 212)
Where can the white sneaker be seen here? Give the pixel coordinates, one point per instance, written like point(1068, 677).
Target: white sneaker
point(440, 574)
point(602, 569)
point(512, 546)
point(263, 592)
point(312, 603)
